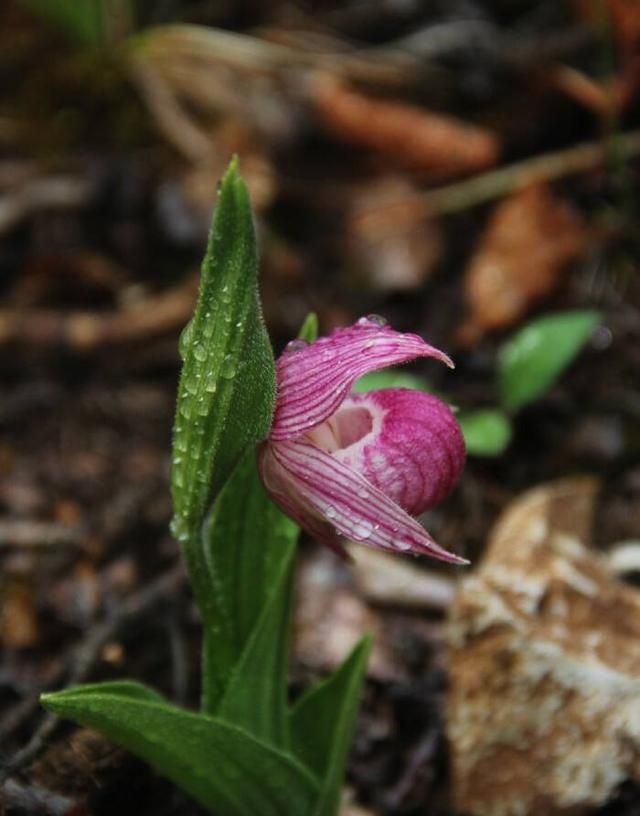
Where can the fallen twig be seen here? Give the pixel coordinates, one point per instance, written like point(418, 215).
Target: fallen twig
point(494, 184)
point(30, 533)
point(84, 331)
point(51, 192)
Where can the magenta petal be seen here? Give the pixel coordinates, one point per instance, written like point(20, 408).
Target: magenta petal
point(319, 491)
point(283, 489)
point(415, 451)
point(314, 380)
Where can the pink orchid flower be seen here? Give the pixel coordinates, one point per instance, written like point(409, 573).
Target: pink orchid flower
point(359, 466)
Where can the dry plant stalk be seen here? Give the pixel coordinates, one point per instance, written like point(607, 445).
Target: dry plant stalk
point(84, 331)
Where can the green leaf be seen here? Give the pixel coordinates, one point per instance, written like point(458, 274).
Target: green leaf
point(249, 547)
point(533, 359)
point(487, 432)
point(309, 329)
point(322, 722)
point(256, 694)
point(390, 378)
point(227, 388)
point(91, 22)
point(219, 764)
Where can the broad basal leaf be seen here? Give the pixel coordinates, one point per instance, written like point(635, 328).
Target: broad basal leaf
point(222, 766)
point(531, 361)
point(322, 726)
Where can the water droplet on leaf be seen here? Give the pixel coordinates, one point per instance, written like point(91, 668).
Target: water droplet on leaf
point(228, 367)
point(200, 353)
point(185, 339)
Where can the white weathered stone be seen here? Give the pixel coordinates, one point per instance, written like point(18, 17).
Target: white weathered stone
point(543, 710)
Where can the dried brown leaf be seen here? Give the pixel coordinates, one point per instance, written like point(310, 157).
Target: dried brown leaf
point(406, 134)
point(529, 242)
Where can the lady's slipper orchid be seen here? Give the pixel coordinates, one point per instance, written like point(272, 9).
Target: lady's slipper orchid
point(360, 465)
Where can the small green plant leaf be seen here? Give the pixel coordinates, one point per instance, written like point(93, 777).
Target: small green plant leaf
point(487, 432)
point(87, 21)
point(222, 766)
point(322, 722)
point(249, 547)
point(532, 360)
point(390, 378)
point(227, 388)
point(309, 329)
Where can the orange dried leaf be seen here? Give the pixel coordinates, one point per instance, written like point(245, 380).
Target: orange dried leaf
point(530, 240)
point(415, 137)
point(18, 619)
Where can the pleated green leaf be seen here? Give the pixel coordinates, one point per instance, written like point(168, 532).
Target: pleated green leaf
point(222, 766)
point(227, 387)
point(249, 551)
point(322, 722)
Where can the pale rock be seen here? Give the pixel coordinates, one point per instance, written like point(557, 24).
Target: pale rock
point(543, 708)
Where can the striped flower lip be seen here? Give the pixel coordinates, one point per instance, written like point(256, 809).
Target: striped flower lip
point(360, 466)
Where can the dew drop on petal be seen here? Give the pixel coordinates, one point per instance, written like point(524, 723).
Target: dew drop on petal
point(296, 345)
point(362, 530)
point(330, 511)
point(362, 492)
point(372, 319)
point(402, 545)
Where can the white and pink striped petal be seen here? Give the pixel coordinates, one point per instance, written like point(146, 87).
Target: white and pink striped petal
point(329, 498)
point(314, 379)
point(413, 451)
